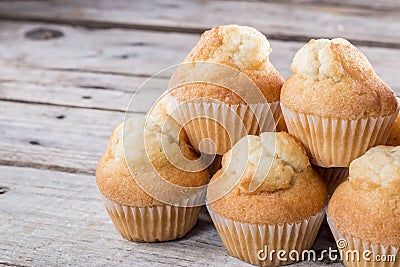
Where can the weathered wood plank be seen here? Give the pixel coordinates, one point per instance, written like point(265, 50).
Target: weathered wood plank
point(77, 88)
point(70, 129)
point(103, 51)
point(367, 4)
point(113, 51)
point(289, 22)
point(34, 135)
point(53, 218)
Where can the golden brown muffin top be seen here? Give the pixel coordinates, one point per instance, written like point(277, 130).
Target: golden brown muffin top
point(267, 178)
point(332, 78)
point(394, 135)
point(367, 206)
point(240, 50)
point(150, 149)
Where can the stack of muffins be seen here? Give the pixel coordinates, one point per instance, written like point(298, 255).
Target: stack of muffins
point(277, 139)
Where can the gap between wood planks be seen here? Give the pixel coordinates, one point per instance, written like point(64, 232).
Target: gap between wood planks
point(8, 264)
point(138, 75)
point(42, 166)
point(176, 29)
point(359, 25)
point(374, 5)
point(64, 105)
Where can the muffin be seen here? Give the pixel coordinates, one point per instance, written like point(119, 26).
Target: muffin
point(332, 177)
point(257, 200)
point(226, 88)
point(364, 212)
point(394, 135)
point(148, 196)
point(335, 103)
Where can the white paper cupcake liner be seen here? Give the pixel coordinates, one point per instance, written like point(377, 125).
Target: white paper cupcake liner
point(156, 223)
point(336, 142)
point(222, 123)
point(348, 244)
point(333, 177)
point(244, 241)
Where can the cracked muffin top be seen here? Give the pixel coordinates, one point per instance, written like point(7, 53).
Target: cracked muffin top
point(240, 69)
point(332, 78)
point(153, 154)
point(264, 180)
point(367, 206)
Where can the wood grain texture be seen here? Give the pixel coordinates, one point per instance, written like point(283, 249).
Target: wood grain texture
point(78, 88)
point(67, 72)
point(33, 135)
point(58, 219)
point(377, 5)
point(122, 52)
point(282, 21)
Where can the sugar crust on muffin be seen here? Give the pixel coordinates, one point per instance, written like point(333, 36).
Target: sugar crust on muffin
point(332, 78)
point(367, 206)
point(242, 48)
point(280, 196)
point(117, 169)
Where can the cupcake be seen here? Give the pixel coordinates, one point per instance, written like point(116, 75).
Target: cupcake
point(150, 180)
point(257, 200)
point(332, 177)
point(394, 135)
point(226, 88)
point(335, 103)
point(364, 212)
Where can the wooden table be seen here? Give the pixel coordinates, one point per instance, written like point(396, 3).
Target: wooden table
point(68, 70)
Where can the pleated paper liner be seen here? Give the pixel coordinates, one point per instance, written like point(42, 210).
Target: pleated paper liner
point(245, 241)
point(156, 223)
point(332, 177)
point(369, 254)
point(222, 123)
point(336, 142)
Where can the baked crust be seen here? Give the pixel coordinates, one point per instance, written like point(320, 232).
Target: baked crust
point(284, 203)
point(283, 206)
point(119, 185)
point(332, 78)
point(367, 206)
point(380, 165)
point(370, 213)
point(241, 48)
